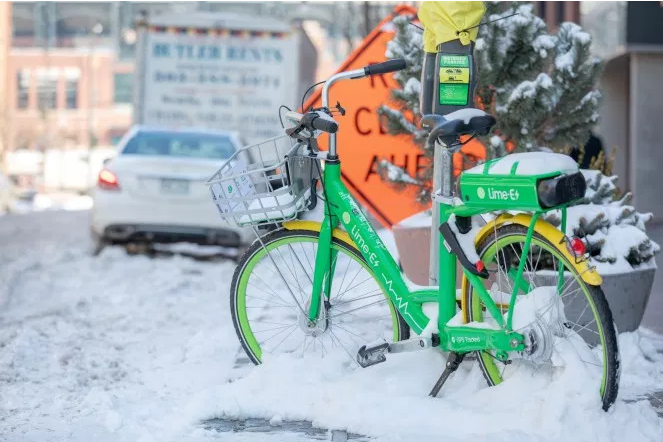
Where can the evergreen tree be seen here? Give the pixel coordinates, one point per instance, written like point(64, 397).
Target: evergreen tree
point(403, 120)
point(540, 87)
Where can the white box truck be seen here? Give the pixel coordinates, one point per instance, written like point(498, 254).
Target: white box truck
point(216, 71)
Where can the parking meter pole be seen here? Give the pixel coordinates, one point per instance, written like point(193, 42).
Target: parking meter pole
point(452, 89)
point(426, 107)
point(433, 268)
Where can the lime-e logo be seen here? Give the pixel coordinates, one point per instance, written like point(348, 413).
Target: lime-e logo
point(511, 194)
point(230, 189)
point(346, 217)
point(481, 193)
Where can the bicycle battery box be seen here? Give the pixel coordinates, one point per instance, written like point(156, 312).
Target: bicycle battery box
point(531, 181)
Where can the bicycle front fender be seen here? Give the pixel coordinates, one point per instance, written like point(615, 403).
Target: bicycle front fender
point(552, 234)
point(314, 226)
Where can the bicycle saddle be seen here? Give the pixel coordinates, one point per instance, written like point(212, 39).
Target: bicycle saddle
point(461, 122)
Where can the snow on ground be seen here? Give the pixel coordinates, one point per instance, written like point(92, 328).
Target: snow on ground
point(122, 348)
point(52, 201)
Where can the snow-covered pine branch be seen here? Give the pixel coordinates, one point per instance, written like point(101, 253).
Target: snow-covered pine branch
point(613, 231)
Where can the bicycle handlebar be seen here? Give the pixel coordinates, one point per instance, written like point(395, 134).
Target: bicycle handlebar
point(395, 65)
point(318, 122)
point(380, 68)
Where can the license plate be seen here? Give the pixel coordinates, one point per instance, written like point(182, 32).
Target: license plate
point(175, 187)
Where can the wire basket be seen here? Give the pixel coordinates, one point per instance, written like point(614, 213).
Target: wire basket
point(265, 183)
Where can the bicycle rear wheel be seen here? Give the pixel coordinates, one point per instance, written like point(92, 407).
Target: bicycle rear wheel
point(573, 314)
point(273, 284)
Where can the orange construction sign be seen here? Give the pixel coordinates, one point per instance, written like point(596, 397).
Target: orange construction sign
point(362, 142)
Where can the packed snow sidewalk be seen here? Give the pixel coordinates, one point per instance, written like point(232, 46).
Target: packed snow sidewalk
point(123, 348)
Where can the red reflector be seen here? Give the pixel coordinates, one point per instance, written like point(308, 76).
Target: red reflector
point(480, 266)
point(577, 247)
point(108, 180)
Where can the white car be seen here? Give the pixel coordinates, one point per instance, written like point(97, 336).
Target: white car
point(154, 191)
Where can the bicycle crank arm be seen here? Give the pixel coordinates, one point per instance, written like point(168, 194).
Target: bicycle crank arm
point(413, 344)
point(377, 353)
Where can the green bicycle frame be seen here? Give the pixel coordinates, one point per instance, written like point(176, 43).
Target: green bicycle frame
point(480, 193)
point(342, 208)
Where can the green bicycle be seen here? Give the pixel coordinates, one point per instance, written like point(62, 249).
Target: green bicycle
point(305, 286)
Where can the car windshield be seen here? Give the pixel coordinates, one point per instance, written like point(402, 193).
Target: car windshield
point(182, 145)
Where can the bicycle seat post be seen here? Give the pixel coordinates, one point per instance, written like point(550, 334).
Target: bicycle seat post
point(446, 172)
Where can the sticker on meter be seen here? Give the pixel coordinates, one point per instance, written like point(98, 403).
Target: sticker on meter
point(454, 75)
point(454, 80)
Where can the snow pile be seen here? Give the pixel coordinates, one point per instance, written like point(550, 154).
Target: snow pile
point(52, 201)
point(527, 163)
point(120, 348)
point(390, 401)
point(106, 348)
point(641, 355)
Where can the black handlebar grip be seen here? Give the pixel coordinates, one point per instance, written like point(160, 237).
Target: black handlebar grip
point(324, 125)
point(397, 64)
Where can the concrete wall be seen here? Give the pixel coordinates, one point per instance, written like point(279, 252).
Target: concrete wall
point(646, 134)
point(631, 114)
point(647, 159)
point(613, 126)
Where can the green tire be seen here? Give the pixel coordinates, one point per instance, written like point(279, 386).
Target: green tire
point(508, 235)
point(256, 253)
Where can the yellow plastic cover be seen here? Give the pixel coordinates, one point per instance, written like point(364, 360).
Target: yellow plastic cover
point(447, 21)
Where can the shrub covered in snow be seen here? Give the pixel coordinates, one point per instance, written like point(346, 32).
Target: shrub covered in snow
point(541, 87)
point(613, 231)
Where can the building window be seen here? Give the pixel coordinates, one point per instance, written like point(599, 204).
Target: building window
point(123, 88)
point(47, 88)
point(23, 88)
point(71, 77)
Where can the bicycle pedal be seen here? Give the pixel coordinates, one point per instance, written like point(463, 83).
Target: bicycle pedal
point(367, 356)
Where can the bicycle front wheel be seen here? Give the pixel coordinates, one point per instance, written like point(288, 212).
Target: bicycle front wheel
point(271, 291)
point(564, 314)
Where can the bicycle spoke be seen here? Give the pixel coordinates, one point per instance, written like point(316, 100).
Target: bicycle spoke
point(355, 286)
point(272, 291)
point(292, 272)
point(268, 301)
point(340, 295)
point(306, 256)
point(286, 337)
point(537, 266)
point(355, 309)
point(283, 329)
point(340, 287)
point(379, 293)
point(274, 318)
point(352, 357)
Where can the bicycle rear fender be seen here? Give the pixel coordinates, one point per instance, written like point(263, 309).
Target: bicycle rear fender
point(552, 234)
point(315, 226)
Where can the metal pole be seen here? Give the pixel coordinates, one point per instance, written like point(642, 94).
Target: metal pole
point(433, 268)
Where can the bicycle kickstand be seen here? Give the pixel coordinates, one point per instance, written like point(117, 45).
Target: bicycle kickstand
point(453, 362)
